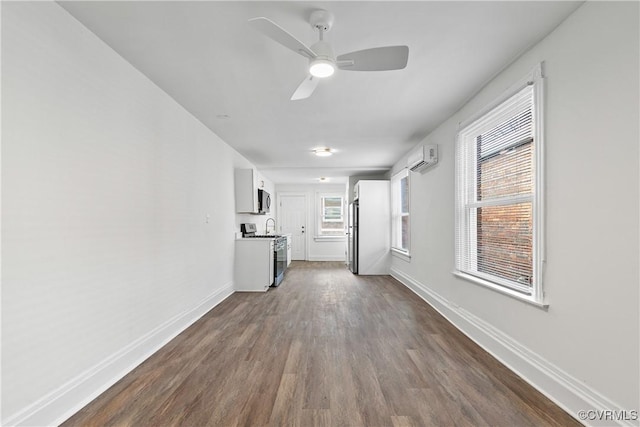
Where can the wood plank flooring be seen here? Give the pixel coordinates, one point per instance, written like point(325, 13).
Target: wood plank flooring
point(326, 348)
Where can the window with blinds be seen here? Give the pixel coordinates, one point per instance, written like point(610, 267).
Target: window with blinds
point(497, 196)
point(331, 218)
point(400, 211)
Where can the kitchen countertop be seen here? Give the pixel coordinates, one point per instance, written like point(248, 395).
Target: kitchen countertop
point(259, 238)
point(288, 235)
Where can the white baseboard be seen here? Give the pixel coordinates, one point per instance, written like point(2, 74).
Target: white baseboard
point(66, 400)
point(569, 393)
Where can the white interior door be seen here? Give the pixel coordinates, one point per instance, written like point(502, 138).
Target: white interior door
point(293, 219)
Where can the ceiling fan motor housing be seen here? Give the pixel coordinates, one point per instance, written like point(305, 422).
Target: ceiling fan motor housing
point(323, 51)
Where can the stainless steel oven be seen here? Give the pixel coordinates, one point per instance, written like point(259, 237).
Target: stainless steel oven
point(280, 259)
point(279, 250)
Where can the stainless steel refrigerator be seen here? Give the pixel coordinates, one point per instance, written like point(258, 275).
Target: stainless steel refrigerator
point(370, 228)
point(353, 237)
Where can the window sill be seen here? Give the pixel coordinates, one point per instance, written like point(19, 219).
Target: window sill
point(329, 238)
point(501, 289)
point(403, 255)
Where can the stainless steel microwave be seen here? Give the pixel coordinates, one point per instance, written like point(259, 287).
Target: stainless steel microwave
point(264, 202)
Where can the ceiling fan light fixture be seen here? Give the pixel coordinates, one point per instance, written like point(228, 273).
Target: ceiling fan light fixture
point(322, 60)
point(322, 152)
point(321, 68)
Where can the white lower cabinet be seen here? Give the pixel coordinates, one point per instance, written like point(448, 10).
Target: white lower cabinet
point(254, 265)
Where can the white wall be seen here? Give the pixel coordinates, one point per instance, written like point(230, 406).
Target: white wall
point(317, 249)
point(106, 185)
point(583, 351)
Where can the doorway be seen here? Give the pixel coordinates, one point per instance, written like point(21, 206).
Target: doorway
point(292, 212)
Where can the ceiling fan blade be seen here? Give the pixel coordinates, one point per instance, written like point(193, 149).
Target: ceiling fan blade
point(375, 59)
point(306, 88)
point(280, 35)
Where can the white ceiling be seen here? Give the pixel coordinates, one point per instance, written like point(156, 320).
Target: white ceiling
point(238, 82)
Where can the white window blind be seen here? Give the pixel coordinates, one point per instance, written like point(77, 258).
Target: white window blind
point(497, 196)
point(331, 218)
point(400, 224)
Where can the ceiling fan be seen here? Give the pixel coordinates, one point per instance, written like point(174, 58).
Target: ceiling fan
point(322, 61)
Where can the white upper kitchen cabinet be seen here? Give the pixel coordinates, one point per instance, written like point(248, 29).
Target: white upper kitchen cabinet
point(246, 186)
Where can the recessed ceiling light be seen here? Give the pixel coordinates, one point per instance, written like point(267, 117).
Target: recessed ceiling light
point(322, 152)
point(223, 117)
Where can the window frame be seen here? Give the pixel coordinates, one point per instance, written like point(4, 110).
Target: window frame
point(320, 215)
point(466, 238)
point(397, 214)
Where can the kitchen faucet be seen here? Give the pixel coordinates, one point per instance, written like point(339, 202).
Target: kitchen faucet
point(266, 225)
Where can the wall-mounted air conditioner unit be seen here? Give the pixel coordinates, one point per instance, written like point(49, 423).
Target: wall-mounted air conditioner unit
point(422, 157)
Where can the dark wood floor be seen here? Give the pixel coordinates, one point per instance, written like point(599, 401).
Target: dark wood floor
point(326, 348)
